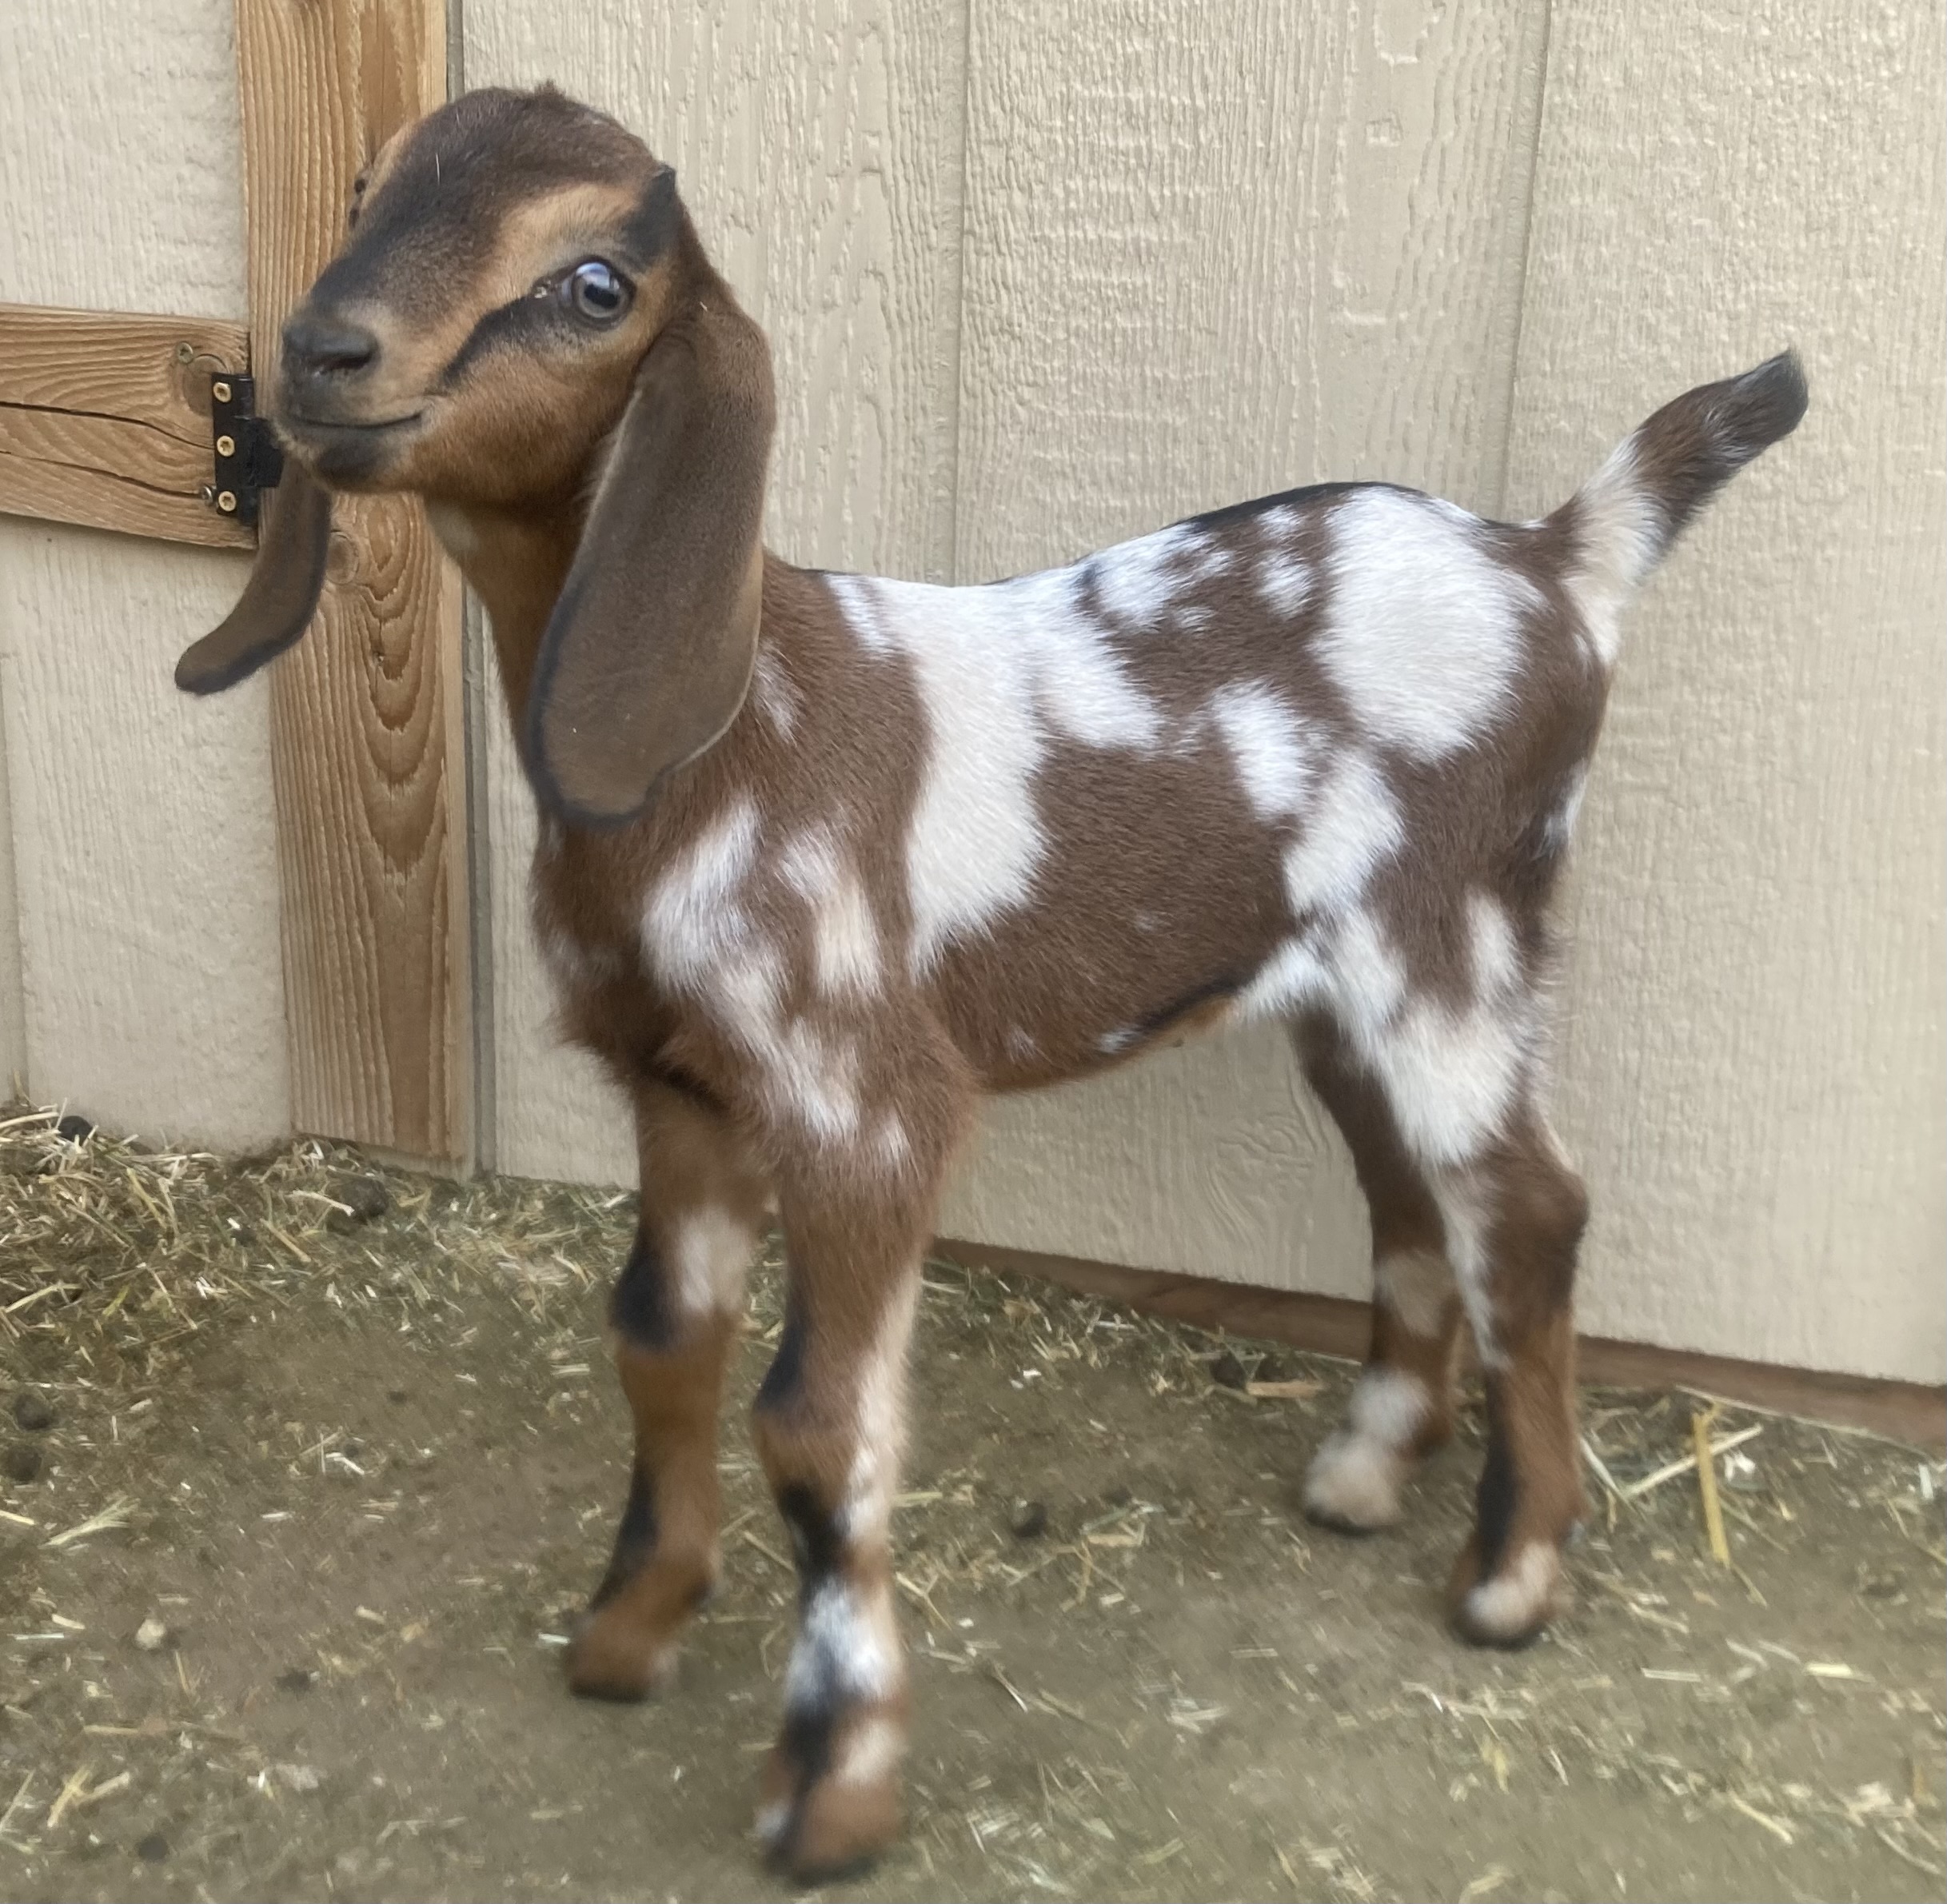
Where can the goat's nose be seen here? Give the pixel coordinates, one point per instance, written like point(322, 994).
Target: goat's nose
point(317, 344)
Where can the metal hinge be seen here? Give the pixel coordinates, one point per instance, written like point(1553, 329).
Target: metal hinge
point(248, 460)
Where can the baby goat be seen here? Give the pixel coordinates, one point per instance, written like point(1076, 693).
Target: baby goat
point(824, 858)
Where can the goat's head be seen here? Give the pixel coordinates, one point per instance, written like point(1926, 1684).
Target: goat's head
point(522, 319)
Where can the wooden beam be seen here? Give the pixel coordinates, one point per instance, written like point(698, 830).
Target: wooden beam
point(1333, 1325)
point(367, 728)
point(105, 420)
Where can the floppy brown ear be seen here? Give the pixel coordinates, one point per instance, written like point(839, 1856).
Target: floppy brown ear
point(647, 655)
point(282, 595)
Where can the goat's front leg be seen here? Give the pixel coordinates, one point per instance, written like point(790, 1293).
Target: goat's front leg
point(829, 1429)
point(673, 1314)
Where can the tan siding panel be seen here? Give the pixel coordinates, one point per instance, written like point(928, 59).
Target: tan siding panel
point(1752, 1070)
point(13, 1010)
point(1210, 255)
point(144, 862)
point(145, 846)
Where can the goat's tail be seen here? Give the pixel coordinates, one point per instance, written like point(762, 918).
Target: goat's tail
point(1621, 522)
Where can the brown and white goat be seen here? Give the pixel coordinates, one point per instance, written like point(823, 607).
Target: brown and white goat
point(824, 858)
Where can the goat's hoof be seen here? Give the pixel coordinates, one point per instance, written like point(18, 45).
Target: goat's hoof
point(828, 1827)
point(608, 1658)
point(1511, 1607)
point(1353, 1485)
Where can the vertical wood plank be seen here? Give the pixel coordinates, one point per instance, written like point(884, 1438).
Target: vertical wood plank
point(818, 144)
point(367, 725)
point(1211, 253)
point(1755, 1072)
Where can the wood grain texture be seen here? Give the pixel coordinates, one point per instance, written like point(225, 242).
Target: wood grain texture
point(1209, 255)
point(366, 720)
point(144, 844)
point(105, 420)
point(818, 146)
point(1754, 1075)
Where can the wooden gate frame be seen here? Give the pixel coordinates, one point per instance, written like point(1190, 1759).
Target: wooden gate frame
point(105, 420)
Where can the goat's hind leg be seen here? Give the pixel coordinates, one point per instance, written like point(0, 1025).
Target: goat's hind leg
point(1515, 1216)
point(1402, 1406)
point(673, 1314)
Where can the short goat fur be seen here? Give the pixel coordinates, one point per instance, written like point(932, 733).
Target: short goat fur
point(824, 858)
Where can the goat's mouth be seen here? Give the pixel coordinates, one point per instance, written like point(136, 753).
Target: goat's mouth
point(298, 424)
point(345, 452)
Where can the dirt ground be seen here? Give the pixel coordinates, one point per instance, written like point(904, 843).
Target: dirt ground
point(285, 1572)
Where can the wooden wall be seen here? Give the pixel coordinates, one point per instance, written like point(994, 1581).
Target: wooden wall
point(1038, 275)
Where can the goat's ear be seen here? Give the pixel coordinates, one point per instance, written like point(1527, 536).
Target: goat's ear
point(282, 595)
point(649, 653)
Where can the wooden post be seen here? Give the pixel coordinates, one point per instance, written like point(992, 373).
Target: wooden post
point(367, 722)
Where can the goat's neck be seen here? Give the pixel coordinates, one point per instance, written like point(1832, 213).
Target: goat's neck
point(516, 565)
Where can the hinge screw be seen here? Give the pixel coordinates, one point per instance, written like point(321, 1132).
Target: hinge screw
point(220, 391)
point(226, 501)
point(226, 445)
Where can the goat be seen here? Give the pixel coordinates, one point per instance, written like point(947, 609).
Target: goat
point(823, 858)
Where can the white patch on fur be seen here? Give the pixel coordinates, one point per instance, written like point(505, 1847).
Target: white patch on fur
point(693, 922)
point(772, 1819)
point(1368, 980)
point(1352, 826)
point(1495, 952)
point(1619, 535)
point(839, 1658)
point(1516, 1600)
point(1000, 669)
point(1388, 1406)
point(1559, 827)
point(712, 1253)
point(844, 934)
point(1285, 581)
point(814, 1077)
point(872, 1754)
point(701, 939)
point(1415, 1285)
point(1466, 1224)
point(1355, 1477)
point(1271, 747)
point(1111, 1044)
point(1291, 978)
point(1450, 1077)
point(1355, 1481)
point(776, 698)
point(879, 1424)
point(1020, 1044)
point(1137, 581)
point(890, 1150)
point(1422, 630)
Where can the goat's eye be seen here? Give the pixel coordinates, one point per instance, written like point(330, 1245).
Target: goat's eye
point(596, 291)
